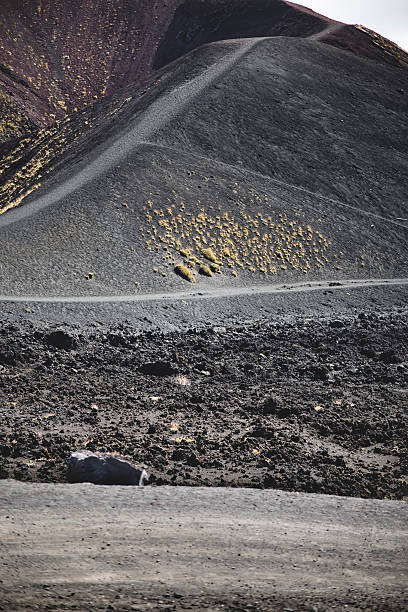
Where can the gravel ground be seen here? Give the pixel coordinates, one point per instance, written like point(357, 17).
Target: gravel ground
point(81, 547)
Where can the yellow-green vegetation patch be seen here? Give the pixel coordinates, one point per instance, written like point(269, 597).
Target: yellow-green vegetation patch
point(13, 124)
point(205, 270)
point(214, 267)
point(184, 272)
point(256, 243)
point(209, 254)
point(33, 157)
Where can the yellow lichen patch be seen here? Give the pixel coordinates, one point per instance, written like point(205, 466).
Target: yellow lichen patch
point(385, 44)
point(19, 199)
point(38, 151)
point(215, 268)
point(13, 124)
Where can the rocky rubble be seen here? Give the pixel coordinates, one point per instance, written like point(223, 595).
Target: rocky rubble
point(310, 405)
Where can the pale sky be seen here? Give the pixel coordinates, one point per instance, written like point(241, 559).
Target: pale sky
point(387, 17)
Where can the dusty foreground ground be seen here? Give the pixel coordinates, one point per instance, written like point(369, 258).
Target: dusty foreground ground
point(306, 404)
point(83, 547)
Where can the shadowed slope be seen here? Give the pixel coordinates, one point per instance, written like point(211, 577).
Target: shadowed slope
point(194, 24)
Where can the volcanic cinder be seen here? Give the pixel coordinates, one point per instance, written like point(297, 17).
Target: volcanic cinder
point(203, 238)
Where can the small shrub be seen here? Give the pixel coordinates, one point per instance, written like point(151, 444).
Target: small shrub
point(185, 273)
point(205, 270)
point(209, 254)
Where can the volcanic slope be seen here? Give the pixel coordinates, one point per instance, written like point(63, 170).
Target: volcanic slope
point(83, 50)
point(217, 170)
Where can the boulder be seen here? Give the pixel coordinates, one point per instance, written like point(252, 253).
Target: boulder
point(103, 469)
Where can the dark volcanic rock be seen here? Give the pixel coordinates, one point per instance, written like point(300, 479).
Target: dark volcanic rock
point(8, 356)
point(157, 368)
point(319, 373)
point(103, 470)
point(390, 356)
point(60, 339)
point(271, 405)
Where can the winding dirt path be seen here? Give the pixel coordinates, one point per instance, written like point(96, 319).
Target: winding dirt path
point(220, 292)
point(153, 119)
